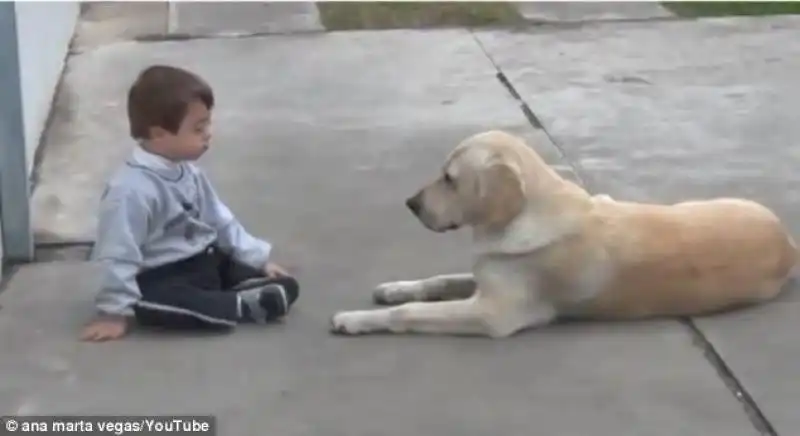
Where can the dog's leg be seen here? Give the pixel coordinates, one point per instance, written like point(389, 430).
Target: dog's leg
point(458, 317)
point(436, 288)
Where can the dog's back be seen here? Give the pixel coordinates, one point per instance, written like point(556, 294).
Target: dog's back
point(686, 259)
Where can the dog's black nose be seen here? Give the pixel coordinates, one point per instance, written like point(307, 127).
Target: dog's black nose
point(413, 204)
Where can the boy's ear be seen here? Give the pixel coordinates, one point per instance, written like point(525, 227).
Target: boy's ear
point(157, 132)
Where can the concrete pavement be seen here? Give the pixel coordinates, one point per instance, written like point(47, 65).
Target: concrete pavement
point(105, 22)
point(319, 138)
point(582, 12)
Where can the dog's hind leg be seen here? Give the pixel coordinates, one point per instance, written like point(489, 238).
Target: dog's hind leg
point(437, 288)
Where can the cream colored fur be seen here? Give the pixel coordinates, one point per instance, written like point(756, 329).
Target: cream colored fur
point(546, 248)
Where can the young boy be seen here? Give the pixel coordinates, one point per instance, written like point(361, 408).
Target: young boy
point(173, 255)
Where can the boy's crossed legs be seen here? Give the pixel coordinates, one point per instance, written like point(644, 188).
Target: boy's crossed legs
point(208, 290)
point(211, 290)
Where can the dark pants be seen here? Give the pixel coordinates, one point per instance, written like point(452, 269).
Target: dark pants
point(198, 292)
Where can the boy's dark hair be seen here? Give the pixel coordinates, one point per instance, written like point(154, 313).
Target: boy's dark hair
point(160, 97)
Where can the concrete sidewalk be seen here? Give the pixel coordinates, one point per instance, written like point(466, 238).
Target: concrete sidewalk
point(104, 22)
point(320, 137)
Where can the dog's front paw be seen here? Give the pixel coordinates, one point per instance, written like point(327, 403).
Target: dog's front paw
point(347, 323)
point(393, 293)
point(361, 322)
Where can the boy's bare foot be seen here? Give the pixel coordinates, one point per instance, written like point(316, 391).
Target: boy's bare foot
point(105, 328)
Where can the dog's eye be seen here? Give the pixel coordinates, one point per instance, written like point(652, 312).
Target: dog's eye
point(448, 179)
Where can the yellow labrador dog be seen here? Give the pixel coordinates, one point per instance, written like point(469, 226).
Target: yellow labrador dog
point(545, 248)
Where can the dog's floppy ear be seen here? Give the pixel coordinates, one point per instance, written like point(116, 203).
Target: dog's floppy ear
point(501, 193)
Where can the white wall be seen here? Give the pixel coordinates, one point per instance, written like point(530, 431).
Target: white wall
point(44, 32)
point(1, 249)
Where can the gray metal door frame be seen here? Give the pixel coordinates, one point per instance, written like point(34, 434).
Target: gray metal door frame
point(14, 182)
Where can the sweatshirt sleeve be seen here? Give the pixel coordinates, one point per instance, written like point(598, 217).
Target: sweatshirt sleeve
point(122, 228)
point(232, 237)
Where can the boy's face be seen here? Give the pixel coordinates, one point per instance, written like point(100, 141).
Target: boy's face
point(192, 138)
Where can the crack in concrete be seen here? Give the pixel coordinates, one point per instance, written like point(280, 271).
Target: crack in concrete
point(529, 114)
point(577, 24)
point(153, 38)
point(751, 408)
point(184, 36)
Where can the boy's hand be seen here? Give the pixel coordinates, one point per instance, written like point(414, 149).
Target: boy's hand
point(273, 271)
point(105, 328)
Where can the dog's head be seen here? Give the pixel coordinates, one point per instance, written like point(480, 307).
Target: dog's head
point(480, 185)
